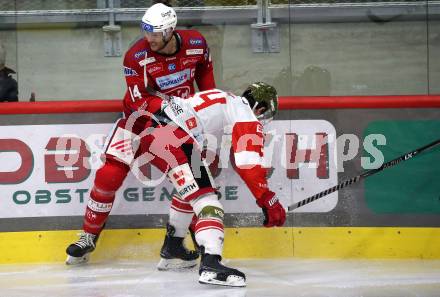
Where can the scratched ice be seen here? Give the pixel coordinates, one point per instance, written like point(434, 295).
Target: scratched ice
point(273, 278)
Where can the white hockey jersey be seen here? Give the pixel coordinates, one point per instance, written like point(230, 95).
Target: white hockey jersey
point(209, 115)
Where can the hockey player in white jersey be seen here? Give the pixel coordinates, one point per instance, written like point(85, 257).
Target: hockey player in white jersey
point(209, 113)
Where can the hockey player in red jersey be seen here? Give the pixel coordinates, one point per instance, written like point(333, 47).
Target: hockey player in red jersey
point(210, 113)
point(165, 60)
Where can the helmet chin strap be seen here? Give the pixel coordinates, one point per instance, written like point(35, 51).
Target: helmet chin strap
point(255, 106)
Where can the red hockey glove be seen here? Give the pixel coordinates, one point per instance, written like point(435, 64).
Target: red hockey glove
point(274, 213)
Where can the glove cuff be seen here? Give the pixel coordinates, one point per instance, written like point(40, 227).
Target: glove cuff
point(268, 199)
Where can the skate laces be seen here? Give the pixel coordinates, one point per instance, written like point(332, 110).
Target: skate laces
point(85, 240)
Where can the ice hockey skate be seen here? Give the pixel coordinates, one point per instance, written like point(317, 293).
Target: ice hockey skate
point(213, 272)
point(79, 252)
point(174, 255)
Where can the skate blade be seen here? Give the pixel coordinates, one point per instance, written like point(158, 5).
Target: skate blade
point(209, 278)
point(175, 264)
point(77, 260)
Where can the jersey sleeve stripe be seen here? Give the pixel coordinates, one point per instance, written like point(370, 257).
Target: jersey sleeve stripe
point(248, 158)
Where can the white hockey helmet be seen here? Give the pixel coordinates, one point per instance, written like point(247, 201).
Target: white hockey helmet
point(159, 18)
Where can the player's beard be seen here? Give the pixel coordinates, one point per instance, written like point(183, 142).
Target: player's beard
point(165, 43)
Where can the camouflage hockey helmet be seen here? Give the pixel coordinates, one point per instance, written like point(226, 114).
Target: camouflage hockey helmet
point(260, 94)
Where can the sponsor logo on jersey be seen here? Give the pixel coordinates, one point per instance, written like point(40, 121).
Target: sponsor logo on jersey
point(173, 80)
point(188, 61)
point(140, 54)
point(129, 72)
point(191, 123)
point(172, 67)
point(155, 68)
point(196, 51)
point(195, 41)
point(177, 109)
point(170, 58)
point(147, 61)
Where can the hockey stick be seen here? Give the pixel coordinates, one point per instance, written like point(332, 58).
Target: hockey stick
point(156, 93)
point(355, 179)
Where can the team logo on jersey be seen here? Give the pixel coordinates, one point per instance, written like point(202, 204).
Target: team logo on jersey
point(147, 61)
point(196, 51)
point(173, 80)
point(129, 72)
point(188, 61)
point(172, 67)
point(191, 123)
point(140, 54)
point(182, 92)
point(195, 41)
point(155, 68)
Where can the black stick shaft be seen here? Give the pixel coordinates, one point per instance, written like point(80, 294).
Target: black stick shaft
point(355, 179)
point(154, 92)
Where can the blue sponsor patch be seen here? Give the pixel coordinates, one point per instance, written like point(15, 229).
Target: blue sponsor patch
point(129, 72)
point(173, 80)
point(195, 41)
point(172, 67)
point(140, 54)
point(147, 27)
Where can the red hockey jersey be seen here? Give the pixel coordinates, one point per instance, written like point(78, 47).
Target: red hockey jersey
point(169, 74)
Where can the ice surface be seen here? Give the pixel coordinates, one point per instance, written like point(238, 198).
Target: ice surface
point(266, 278)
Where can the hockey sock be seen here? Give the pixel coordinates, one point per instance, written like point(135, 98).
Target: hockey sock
point(107, 181)
point(209, 227)
point(181, 214)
